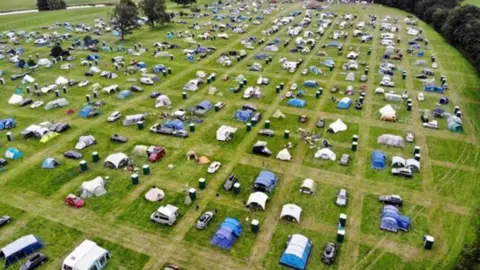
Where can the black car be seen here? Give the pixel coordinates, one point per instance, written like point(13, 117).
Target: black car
point(136, 88)
point(155, 94)
point(231, 180)
point(4, 220)
point(118, 138)
point(72, 155)
point(34, 261)
point(17, 76)
point(329, 253)
point(3, 162)
point(60, 127)
point(391, 200)
point(93, 114)
point(25, 102)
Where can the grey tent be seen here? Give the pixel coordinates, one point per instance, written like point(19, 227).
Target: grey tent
point(391, 140)
point(350, 77)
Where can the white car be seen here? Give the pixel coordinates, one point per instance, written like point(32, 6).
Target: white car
point(114, 116)
point(36, 104)
point(213, 168)
point(420, 97)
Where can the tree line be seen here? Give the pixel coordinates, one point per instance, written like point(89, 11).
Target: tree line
point(458, 24)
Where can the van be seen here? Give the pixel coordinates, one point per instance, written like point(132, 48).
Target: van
point(88, 255)
point(165, 215)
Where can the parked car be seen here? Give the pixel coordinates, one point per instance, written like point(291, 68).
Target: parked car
point(409, 137)
point(321, 123)
point(391, 199)
point(60, 127)
point(74, 201)
point(155, 94)
point(118, 138)
point(114, 116)
point(266, 132)
point(72, 155)
point(344, 159)
point(157, 154)
point(231, 180)
point(213, 168)
point(136, 88)
point(93, 113)
point(256, 117)
point(204, 220)
point(25, 102)
point(405, 172)
point(387, 83)
point(219, 105)
point(34, 261)
point(329, 253)
point(171, 266)
point(342, 198)
point(180, 133)
point(4, 220)
point(3, 162)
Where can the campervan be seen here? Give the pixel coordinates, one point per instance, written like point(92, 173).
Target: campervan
point(165, 215)
point(88, 255)
point(133, 119)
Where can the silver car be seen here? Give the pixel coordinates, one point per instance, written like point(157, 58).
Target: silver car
point(204, 220)
point(342, 198)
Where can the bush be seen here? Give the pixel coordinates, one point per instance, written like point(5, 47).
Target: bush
point(44, 5)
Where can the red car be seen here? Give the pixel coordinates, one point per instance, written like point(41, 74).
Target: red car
point(74, 201)
point(157, 154)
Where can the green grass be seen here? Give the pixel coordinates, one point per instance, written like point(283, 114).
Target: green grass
point(122, 258)
point(457, 185)
point(456, 152)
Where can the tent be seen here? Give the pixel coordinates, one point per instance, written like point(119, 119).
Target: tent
point(257, 200)
point(387, 110)
point(344, 103)
point(61, 81)
point(159, 68)
point(296, 102)
point(227, 233)
point(393, 97)
point(329, 63)
point(297, 252)
point(20, 248)
point(412, 164)
point(265, 181)
point(116, 161)
point(124, 94)
point(7, 123)
point(140, 150)
point(291, 212)
point(176, 124)
point(155, 195)
point(350, 77)
point(278, 115)
point(455, 124)
point(85, 141)
point(28, 79)
point(308, 186)
point(337, 126)
point(326, 153)
point(15, 99)
point(243, 115)
point(85, 111)
point(141, 65)
point(60, 102)
point(93, 57)
point(391, 140)
point(162, 101)
point(398, 162)
point(311, 83)
point(284, 155)
point(379, 160)
point(95, 187)
point(204, 106)
point(13, 153)
point(225, 133)
point(50, 163)
point(443, 101)
point(392, 221)
point(48, 136)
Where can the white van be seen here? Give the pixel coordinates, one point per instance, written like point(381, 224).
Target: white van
point(88, 255)
point(165, 215)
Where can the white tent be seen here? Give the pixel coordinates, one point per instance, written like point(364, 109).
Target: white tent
point(325, 153)
point(84, 141)
point(391, 140)
point(257, 199)
point(116, 161)
point(15, 99)
point(398, 162)
point(387, 110)
point(337, 126)
point(155, 195)
point(308, 186)
point(278, 115)
point(61, 81)
point(140, 150)
point(291, 212)
point(413, 164)
point(225, 133)
point(28, 79)
point(44, 62)
point(284, 155)
point(95, 187)
point(162, 101)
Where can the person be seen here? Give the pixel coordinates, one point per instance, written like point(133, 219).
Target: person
point(197, 207)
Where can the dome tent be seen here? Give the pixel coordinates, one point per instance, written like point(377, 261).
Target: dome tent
point(50, 163)
point(291, 212)
point(95, 187)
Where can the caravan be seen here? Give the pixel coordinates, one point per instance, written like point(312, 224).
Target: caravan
point(88, 255)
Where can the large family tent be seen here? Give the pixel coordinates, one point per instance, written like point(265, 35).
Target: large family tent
point(379, 160)
point(265, 181)
point(13, 153)
point(337, 126)
point(326, 153)
point(257, 200)
point(296, 102)
point(20, 248)
point(311, 83)
point(392, 221)
point(291, 212)
point(176, 124)
point(297, 252)
point(227, 233)
point(88, 255)
point(344, 103)
point(50, 163)
point(162, 101)
point(124, 94)
point(116, 161)
point(95, 187)
point(85, 141)
point(391, 140)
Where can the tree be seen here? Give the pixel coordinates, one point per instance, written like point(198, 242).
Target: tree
point(155, 10)
point(56, 51)
point(184, 3)
point(125, 15)
point(43, 5)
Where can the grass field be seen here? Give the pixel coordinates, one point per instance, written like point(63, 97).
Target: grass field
point(440, 199)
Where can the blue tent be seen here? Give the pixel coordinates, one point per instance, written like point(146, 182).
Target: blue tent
point(20, 50)
point(344, 103)
point(13, 153)
point(85, 111)
point(141, 65)
point(379, 160)
point(50, 163)
point(243, 115)
point(204, 105)
point(20, 248)
point(297, 252)
point(311, 83)
point(261, 56)
point(296, 102)
point(433, 88)
point(391, 220)
point(227, 233)
point(124, 94)
point(116, 33)
point(93, 57)
point(176, 124)
point(159, 68)
point(7, 123)
point(443, 101)
point(420, 54)
point(334, 44)
point(265, 181)
point(329, 63)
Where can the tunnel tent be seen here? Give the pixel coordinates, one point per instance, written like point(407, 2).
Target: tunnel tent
point(391, 140)
point(257, 200)
point(140, 150)
point(20, 248)
point(398, 162)
point(95, 187)
point(308, 186)
point(227, 233)
point(297, 253)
